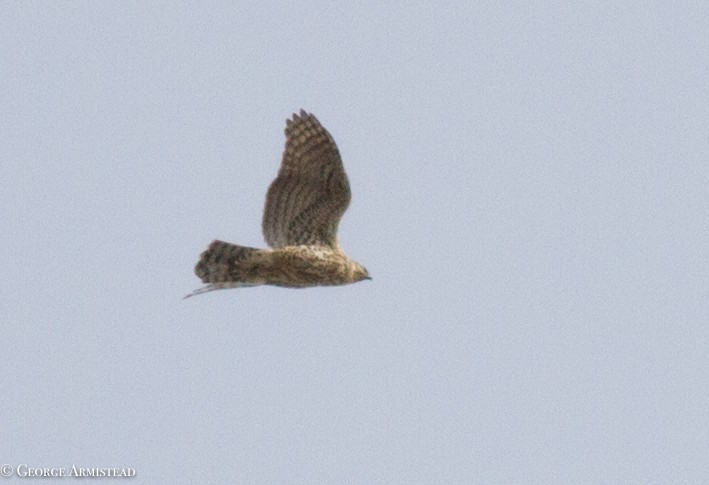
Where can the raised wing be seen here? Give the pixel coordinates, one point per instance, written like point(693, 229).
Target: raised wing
point(305, 202)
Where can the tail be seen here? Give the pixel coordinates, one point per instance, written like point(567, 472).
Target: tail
point(224, 265)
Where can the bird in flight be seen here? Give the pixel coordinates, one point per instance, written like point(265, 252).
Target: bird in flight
point(304, 205)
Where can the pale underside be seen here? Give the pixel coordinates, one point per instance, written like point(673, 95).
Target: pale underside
point(303, 208)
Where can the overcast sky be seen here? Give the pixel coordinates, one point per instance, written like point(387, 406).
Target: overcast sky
point(529, 186)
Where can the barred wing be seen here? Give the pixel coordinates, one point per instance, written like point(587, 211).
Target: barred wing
point(305, 202)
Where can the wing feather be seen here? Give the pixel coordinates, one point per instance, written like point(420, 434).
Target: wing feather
point(305, 202)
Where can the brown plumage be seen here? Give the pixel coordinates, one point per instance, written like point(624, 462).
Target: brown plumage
point(304, 205)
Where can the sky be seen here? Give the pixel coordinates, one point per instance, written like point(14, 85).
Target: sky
point(529, 187)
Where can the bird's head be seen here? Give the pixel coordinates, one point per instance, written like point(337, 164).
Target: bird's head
point(360, 273)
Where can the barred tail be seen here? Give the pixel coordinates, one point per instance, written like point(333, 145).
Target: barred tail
point(225, 265)
point(223, 262)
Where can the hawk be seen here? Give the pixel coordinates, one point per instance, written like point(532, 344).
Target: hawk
point(304, 205)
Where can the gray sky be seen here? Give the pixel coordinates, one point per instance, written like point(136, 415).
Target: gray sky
point(529, 193)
